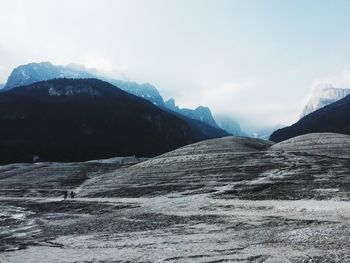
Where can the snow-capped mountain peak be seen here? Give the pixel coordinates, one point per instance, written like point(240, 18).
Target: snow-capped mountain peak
point(323, 94)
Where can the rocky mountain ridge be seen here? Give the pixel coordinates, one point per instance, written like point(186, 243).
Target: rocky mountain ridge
point(34, 72)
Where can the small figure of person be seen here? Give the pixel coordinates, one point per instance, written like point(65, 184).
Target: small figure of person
point(72, 194)
point(65, 195)
point(36, 158)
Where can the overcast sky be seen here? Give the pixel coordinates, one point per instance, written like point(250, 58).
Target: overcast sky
point(255, 60)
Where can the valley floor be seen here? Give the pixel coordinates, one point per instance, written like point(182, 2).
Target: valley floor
point(173, 228)
point(201, 203)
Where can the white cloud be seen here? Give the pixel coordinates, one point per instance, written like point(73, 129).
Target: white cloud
point(4, 72)
point(105, 66)
point(218, 96)
point(338, 80)
point(245, 101)
point(265, 114)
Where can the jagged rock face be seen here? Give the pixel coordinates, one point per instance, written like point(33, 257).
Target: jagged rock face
point(201, 113)
point(171, 105)
point(331, 118)
point(323, 95)
point(228, 124)
point(204, 114)
point(145, 91)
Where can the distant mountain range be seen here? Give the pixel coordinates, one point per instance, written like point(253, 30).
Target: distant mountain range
point(334, 117)
point(82, 119)
point(34, 72)
point(200, 113)
point(323, 95)
point(228, 124)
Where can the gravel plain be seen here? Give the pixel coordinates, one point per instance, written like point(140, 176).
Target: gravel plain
point(233, 199)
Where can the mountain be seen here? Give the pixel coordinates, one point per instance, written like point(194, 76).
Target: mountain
point(144, 90)
point(323, 95)
point(2, 85)
point(200, 113)
point(334, 117)
point(83, 119)
point(34, 72)
point(228, 124)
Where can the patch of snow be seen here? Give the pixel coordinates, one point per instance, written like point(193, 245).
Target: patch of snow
point(24, 75)
point(73, 91)
point(53, 92)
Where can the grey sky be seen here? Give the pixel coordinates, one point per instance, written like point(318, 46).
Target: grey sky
point(255, 60)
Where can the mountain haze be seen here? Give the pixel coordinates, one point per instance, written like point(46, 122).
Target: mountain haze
point(228, 124)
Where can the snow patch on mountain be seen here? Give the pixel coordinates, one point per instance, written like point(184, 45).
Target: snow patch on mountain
point(73, 91)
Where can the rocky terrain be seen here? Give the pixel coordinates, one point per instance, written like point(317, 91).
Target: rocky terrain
point(233, 199)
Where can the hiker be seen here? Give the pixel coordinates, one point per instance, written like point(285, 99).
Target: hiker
point(65, 195)
point(72, 194)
